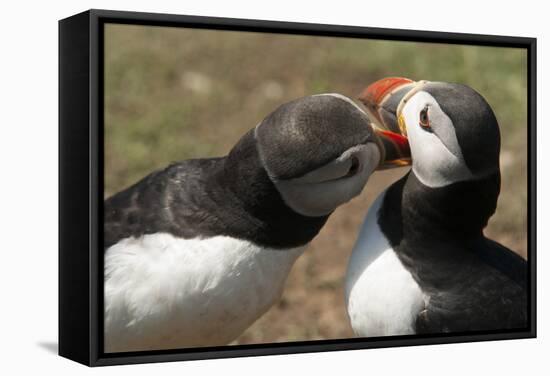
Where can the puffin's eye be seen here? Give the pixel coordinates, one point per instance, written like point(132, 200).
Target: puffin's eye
point(425, 120)
point(354, 168)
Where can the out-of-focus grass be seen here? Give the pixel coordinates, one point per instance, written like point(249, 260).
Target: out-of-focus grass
point(173, 94)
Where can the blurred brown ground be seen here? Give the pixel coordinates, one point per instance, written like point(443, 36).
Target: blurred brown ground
point(173, 94)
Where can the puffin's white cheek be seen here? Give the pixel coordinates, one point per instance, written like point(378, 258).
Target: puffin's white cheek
point(314, 199)
point(421, 145)
point(424, 146)
point(433, 163)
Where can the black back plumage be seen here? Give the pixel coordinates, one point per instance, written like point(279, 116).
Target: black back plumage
point(230, 196)
point(474, 283)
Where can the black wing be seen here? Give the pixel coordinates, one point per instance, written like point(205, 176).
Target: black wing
point(169, 200)
point(504, 260)
point(487, 295)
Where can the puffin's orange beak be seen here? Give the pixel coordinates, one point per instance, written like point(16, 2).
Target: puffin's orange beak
point(381, 100)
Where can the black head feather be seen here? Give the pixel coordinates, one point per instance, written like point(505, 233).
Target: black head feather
point(309, 132)
point(475, 124)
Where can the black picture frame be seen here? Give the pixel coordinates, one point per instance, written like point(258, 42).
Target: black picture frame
point(81, 184)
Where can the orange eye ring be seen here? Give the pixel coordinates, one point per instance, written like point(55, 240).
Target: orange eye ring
point(424, 120)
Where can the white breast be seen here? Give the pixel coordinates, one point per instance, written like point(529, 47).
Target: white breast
point(163, 292)
point(382, 298)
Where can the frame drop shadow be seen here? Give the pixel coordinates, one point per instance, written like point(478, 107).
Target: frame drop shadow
point(51, 347)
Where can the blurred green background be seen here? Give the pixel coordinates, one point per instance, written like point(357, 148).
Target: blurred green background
point(174, 93)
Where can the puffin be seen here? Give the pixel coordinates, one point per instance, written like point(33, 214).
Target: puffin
point(421, 263)
point(194, 253)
